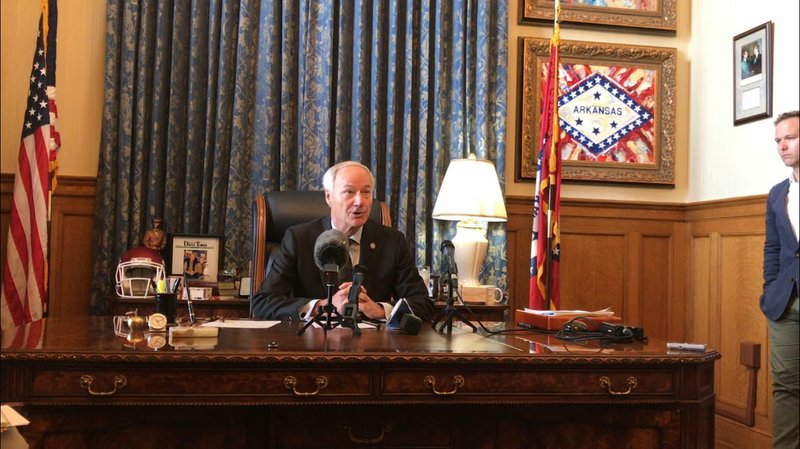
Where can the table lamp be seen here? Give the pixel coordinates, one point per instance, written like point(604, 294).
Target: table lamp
point(470, 194)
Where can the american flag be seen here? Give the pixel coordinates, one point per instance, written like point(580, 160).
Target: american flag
point(546, 241)
point(23, 297)
point(28, 336)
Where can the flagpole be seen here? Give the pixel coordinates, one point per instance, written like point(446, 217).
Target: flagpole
point(552, 181)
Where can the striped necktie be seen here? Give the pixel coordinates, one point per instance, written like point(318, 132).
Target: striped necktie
point(346, 272)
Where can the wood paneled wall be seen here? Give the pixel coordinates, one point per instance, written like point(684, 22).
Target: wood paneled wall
point(627, 256)
point(71, 226)
point(725, 282)
point(682, 272)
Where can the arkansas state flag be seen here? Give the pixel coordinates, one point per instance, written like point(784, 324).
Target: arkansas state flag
point(545, 241)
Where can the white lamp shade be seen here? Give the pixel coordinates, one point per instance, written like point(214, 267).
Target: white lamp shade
point(470, 191)
point(470, 194)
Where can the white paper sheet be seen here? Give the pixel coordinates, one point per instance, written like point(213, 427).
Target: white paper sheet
point(241, 324)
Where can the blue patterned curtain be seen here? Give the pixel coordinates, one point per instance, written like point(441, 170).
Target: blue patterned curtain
point(209, 102)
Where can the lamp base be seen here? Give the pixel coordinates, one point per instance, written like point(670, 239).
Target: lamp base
point(470, 251)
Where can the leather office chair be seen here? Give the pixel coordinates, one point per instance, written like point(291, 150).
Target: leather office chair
point(275, 212)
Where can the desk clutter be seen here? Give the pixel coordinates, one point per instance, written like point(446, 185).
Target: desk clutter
point(581, 325)
point(151, 329)
point(554, 320)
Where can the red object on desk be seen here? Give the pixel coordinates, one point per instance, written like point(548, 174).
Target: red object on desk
point(556, 322)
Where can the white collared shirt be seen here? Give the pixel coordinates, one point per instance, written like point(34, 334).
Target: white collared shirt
point(793, 204)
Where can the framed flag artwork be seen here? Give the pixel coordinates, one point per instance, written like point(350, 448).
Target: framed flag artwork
point(616, 109)
point(752, 75)
point(644, 15)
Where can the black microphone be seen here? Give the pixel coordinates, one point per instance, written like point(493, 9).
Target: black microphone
point(448, 251)
point(330, 250)
point(358, 278)
point(351, 307)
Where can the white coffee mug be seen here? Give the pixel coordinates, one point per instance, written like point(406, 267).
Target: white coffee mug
point(493, 294)
point(481, 294)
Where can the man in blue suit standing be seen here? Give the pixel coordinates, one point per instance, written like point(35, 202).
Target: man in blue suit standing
point(779, 302)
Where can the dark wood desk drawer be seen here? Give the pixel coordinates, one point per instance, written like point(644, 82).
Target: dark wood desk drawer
point(404, 426)
point(592, 384)
point(229, 385)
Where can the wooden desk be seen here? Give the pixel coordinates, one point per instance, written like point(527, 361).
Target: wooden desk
point(240, 308)
point(87, 387)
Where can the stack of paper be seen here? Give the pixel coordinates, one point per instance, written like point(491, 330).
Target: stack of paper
point(603, 312)
point(555, 319)
point(11, 418)
point(10, 437)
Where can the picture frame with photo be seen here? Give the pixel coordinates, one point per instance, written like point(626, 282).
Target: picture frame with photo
point(199, 256)
point(616, 111)
point(752, 74)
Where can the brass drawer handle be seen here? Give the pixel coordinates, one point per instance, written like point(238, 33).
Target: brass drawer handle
point(385, 428)
point(290, 382)
point(458, 382)
point(631, 383)
point(87, 380)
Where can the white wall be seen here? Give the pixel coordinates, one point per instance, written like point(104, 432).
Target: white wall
point(727, 161)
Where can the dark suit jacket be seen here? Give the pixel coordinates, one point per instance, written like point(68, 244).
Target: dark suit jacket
point(781, 253)
point(294, 279)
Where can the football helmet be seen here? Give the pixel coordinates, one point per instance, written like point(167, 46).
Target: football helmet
point(138, 273)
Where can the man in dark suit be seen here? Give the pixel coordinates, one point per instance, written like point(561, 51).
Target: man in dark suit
point(295, 287)
point(779, 302)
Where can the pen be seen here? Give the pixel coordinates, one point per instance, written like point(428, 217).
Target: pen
point(189, 306)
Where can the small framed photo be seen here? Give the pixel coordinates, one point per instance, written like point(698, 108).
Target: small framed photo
point(752, 74)
point(197, 256)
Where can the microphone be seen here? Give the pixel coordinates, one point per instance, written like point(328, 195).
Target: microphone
point(351, 308)
point(448, 251)
point(358, 278)
point(330, 250)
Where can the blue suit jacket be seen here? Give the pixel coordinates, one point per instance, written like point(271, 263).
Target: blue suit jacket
point(294, 279)
point(781, 254)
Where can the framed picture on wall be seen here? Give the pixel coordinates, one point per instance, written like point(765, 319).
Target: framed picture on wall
point(752, 74)
point(616, 110)
point(645, 15)
point(198, 256)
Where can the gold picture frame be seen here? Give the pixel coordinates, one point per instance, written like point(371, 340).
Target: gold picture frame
point(651, 16)
point(616, 108)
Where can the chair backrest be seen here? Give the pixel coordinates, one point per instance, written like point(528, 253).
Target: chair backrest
point(275, 212)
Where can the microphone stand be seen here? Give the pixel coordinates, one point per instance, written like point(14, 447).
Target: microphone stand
point(450, 312)
point(350, 318)
point(327, 316)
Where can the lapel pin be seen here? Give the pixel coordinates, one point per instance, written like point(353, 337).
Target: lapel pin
point(372, 245)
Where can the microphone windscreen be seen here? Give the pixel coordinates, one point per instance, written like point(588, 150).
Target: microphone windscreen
point(447, 244)
point(330, 248)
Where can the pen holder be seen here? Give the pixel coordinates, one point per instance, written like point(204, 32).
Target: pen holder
point(166, 304)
